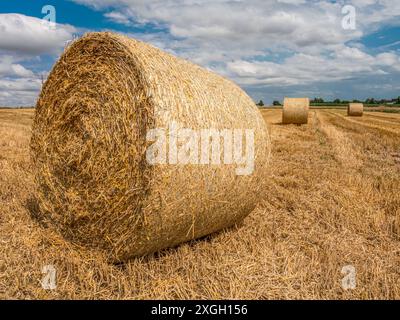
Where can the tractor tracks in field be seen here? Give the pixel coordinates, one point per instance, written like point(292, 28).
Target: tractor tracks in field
point(345, 151)
point(378, 145)
point(360, 123)
point(380, 122)
point(384, 117)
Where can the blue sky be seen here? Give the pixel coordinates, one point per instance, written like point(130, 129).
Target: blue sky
point(271, 48)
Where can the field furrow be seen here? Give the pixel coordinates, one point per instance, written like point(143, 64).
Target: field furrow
point(383, 127)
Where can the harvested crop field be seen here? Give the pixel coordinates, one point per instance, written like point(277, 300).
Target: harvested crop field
point(333, 201)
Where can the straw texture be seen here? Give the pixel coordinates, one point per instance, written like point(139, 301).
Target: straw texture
point(355, 110)
point(295, 110)
point(89, 141)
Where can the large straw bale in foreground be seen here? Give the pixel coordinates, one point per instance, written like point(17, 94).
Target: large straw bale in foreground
point(95, 184)
point(355, 110)
point(295, 110)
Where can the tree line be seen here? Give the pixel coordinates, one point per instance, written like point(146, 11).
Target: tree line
point(320, 101)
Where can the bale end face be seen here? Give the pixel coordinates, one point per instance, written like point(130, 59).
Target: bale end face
point(295, 111)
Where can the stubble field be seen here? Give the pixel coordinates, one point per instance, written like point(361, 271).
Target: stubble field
point(333, 201)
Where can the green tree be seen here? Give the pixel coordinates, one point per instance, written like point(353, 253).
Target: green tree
point(318, 100)
point(370, 101)
point(276, 103)
point(261, 103)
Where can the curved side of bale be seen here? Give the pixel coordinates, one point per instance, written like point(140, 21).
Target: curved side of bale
point(355, 110)
point(94, 183)
point(295, 110)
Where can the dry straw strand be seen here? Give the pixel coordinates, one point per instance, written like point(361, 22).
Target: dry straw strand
point(295, 110)
point(355, 110)
point(88, 146)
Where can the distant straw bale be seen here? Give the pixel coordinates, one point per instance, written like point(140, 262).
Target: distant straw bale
point(355, 110)
point(295, 110)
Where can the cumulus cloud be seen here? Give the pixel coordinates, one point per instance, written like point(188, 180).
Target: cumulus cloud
point(19, 92)
point(18, 84)
point(279, 44)
point(23, 39)
point(301, 69)
point(9, 68)
point(231, 24)
point(22, 34)
point(246, 40)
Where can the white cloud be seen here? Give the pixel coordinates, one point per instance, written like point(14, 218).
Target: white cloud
point(22, 40)
point(260, 44)
point(302, 69)
point(230, 24)
point(19, 92)
point(9, 68)
point(389, 59)
point(22, 34)
point(118, 17)
point(228, 35)
point(25, 85)
point(18, 85)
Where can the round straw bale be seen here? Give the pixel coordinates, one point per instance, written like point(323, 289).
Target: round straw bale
point(295, 110)
point(90, 139)
point(355, 110)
